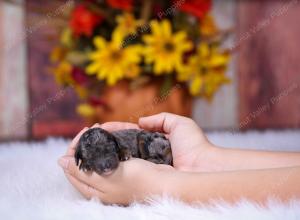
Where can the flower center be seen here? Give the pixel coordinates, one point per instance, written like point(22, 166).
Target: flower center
point(116, 55)
point(169, 47)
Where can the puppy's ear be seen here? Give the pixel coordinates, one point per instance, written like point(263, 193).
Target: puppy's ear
point(123, 152)
point(118, 146)
point(143, 140)
point(78, 155)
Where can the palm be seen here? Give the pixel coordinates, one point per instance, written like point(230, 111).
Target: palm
point(187, 142)
point(187, 139)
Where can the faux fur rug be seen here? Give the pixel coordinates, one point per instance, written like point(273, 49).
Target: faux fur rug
point(32, 186)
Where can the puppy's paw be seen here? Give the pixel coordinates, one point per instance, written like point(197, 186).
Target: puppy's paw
point(84, 166)
point(124, 155)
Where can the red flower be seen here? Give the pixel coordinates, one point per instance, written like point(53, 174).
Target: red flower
point(121, 4)
point(197, 8)
point(84, 21)
point(95, 102)
point(79, 76)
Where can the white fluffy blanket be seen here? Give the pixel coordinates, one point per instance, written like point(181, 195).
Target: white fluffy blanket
point(32, 186)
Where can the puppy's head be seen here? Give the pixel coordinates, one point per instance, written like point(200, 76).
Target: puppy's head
point(99, 150)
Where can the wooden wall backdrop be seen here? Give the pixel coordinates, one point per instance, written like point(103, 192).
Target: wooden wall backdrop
point(222, 111)
point(264, 94)
point(269, 64)
point(52, 108)
point(13, 82)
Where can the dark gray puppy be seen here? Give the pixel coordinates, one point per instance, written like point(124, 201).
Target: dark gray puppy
point(101, 151)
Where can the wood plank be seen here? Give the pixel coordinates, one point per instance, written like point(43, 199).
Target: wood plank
point(13, 82)
point(1, 69)
point(59, 117)
point(222, 112)
point(269, 64)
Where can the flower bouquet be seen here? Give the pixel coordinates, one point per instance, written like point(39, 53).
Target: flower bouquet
point(110, 46)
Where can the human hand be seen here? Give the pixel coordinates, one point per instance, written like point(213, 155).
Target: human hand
point(132, 181)
point(191, 149)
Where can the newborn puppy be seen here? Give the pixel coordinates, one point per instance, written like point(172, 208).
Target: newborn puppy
point(101, 151)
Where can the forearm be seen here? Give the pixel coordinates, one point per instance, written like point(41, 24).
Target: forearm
point(257, 186)
point(222, 159)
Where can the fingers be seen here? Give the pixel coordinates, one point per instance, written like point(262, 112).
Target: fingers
point(97, 125)
point(72, 146)
point(163, 122)
point(115, 126)
point(69, 166)
point(86, 190)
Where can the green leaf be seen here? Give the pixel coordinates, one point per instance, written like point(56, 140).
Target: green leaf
point(166, 86)
point(77, 58)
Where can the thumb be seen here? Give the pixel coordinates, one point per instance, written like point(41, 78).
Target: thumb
point(163, 122)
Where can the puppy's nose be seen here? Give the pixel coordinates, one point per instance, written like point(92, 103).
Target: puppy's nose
point(107, 164)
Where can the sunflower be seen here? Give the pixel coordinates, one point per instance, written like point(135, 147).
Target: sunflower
point(206, 86)
point(164, 49)
point(127, 24)
point(85, 110)
point(57, 54)
point(62, 73)
point(205, 70)
point(133, 71)
point(110, 60)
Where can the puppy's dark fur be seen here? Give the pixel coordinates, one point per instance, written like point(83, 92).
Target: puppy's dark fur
point(101, 151)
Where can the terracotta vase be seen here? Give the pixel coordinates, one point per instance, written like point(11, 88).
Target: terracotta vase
point(128, 105)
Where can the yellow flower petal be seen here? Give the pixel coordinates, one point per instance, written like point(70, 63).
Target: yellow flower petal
point(155, 28)
point(99, 42)
point(81, 91)
point(196, 85)
point(203, 49)
point(132, 71)
point(219, 60)
point(117, 39)
point(66, 38)
point(208, 26)
point(166, 28)
point(148, 39)
point(85, 110)
point(127, 24)
point(180, 36)
point(92, 68)
point(57, 54)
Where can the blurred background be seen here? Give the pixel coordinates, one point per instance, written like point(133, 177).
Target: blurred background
point(252, 64)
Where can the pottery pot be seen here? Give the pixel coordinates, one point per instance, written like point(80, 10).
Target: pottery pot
point(125, 104)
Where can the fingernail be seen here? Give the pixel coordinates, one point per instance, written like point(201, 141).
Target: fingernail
point(63, 162)
point(96, 125)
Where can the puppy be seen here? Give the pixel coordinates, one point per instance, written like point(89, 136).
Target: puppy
point(101, 151)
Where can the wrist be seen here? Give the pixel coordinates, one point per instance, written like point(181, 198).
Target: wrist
point(185, 186)
point(209, 159)
point(174, 184)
